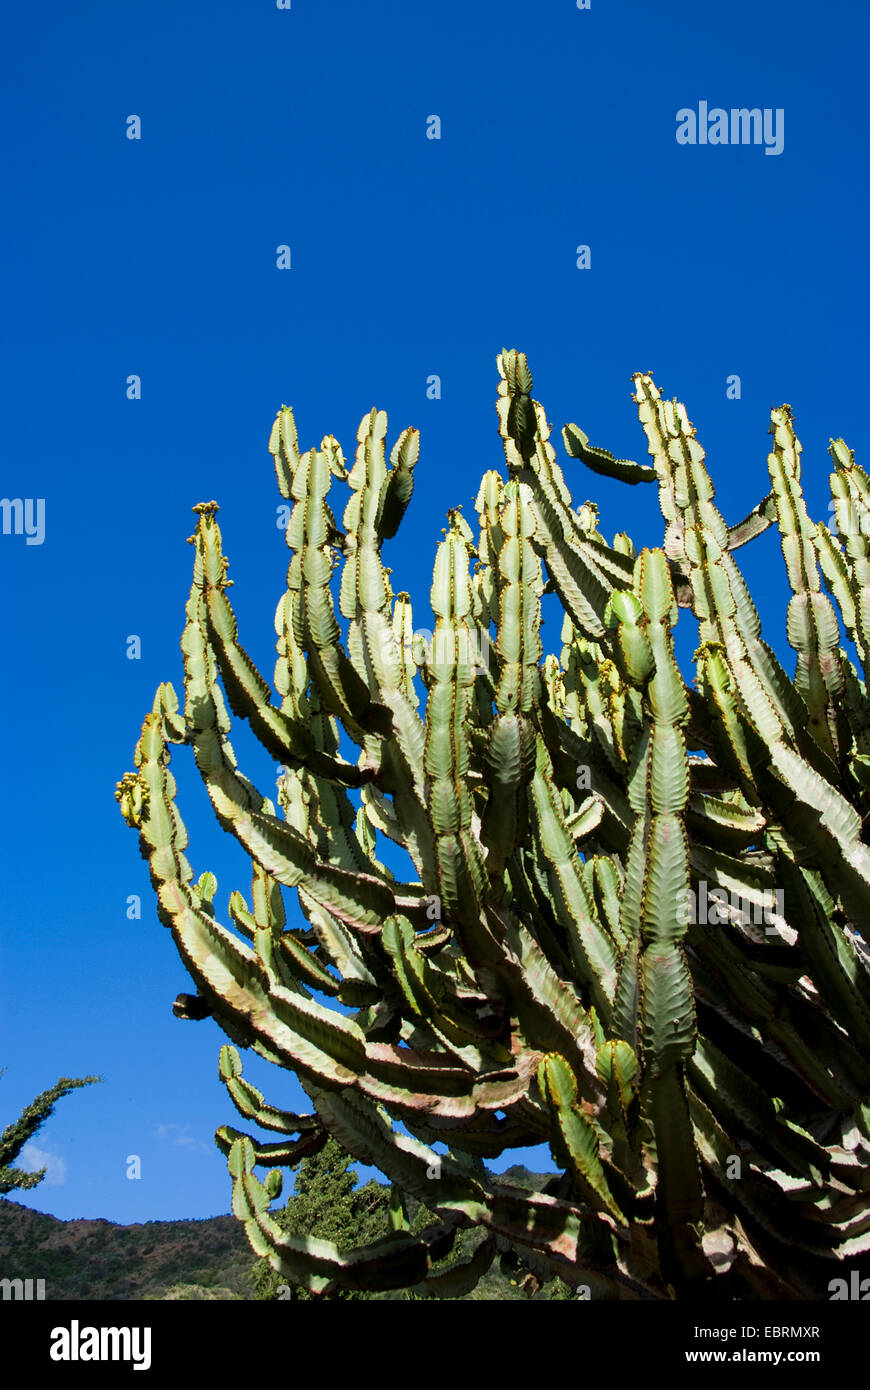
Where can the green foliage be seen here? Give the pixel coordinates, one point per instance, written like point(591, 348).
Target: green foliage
point(548, 973)
point(22, 1130)
point(327, 1202)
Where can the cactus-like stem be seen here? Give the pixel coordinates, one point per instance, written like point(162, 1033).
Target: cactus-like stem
point(635, 915)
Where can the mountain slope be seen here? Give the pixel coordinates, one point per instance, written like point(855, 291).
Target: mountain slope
point(100, 1260)
point(211, 1259)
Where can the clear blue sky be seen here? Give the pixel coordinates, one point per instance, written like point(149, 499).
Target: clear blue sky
point(410, 257)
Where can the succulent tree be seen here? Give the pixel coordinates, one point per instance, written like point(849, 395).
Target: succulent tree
point(634, 923)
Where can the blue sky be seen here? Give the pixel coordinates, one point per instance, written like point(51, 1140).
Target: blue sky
point(410, 257)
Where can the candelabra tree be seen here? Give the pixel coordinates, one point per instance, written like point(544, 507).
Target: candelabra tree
point(633, 927)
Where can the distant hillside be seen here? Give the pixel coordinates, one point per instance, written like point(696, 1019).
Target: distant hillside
point(210, 1259)
point(101, 1260)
